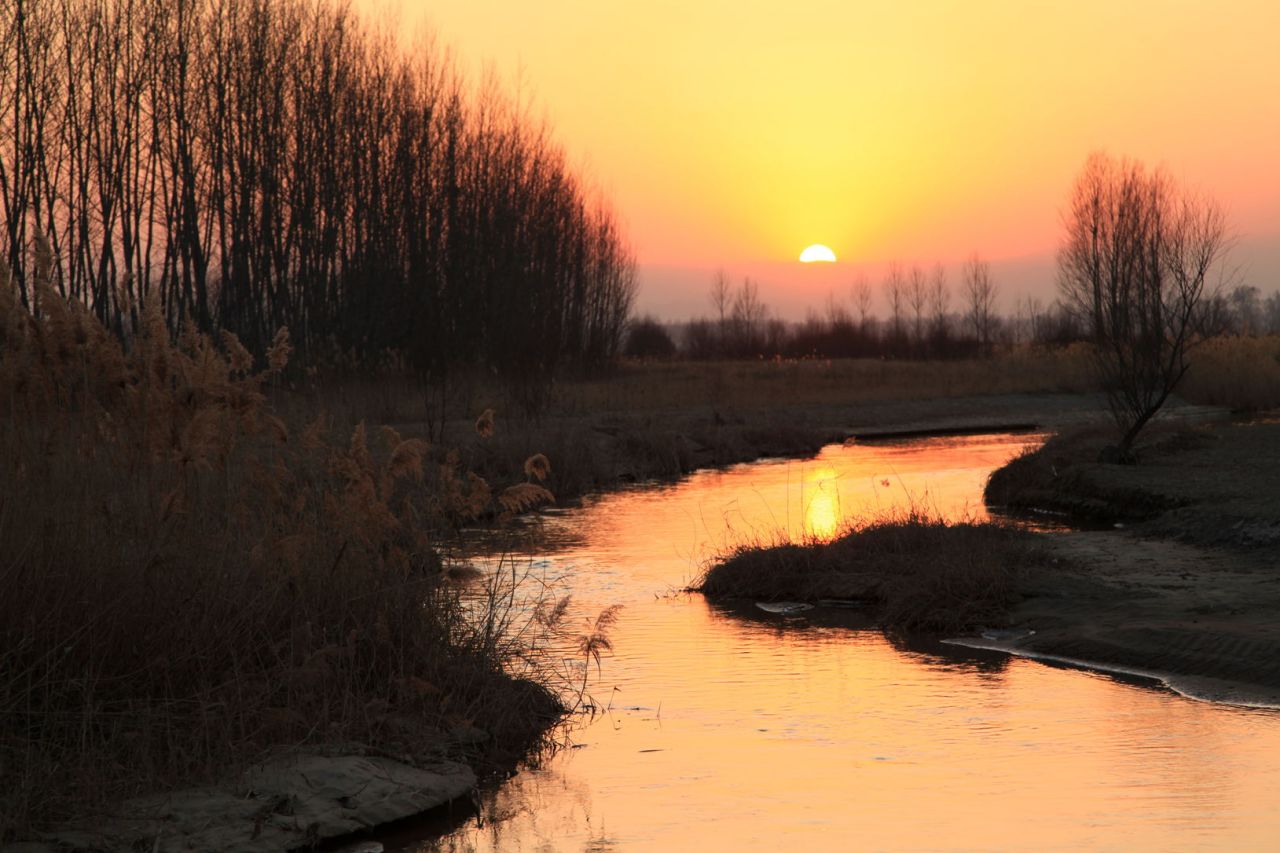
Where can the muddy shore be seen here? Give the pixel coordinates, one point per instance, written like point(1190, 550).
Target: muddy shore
point(1187, 585)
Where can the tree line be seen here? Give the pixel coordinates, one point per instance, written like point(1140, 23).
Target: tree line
point(921, 321)
point(921, 316)
point(266, 163)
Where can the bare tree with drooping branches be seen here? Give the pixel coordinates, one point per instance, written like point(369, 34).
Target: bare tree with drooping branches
point(1139, 257)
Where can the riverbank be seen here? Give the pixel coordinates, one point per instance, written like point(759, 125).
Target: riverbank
point(601, 450)
point(1186, 585)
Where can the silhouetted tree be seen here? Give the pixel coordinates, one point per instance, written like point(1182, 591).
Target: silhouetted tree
point(278, 162)
point(647, 338)
point(980, 296)
point(918, 300)
point(1136, 264)
point(895, 290)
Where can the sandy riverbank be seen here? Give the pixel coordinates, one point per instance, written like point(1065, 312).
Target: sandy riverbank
point(1188, 587)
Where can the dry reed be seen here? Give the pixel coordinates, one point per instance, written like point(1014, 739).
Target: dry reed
point(189, 580)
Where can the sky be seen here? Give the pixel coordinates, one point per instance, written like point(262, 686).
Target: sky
point(731, 134)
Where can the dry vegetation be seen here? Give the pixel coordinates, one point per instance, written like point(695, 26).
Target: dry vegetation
point(189, 580)
point(916, 572)
point(1241, 373)
point(790, 382)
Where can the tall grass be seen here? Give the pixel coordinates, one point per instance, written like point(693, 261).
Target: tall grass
point(188, 580)
point(1241, 373)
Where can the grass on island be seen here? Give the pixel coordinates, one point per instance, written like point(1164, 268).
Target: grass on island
point(918, 573)
point(190, 580)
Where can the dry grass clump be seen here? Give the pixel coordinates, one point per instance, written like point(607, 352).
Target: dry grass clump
point(188, 580)
point(917, 572)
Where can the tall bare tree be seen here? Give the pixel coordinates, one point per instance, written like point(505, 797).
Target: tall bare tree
point(721, 296)
point(895, 292)
point(939, 302)
point(918, 299)
point(283, 162)
point(860, 293)
point(1140, 254)
point(980, 295)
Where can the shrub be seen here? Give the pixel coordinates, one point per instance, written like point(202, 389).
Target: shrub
point(647, 338)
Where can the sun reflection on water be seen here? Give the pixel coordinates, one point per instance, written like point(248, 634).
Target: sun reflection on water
point(822, 517)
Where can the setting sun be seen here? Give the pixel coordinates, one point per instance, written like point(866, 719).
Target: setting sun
point(817, 253)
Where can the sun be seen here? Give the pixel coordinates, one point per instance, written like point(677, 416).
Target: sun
point(817, 253)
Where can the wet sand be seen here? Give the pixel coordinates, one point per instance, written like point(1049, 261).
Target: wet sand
point(1202, 620)
point(1189, 594)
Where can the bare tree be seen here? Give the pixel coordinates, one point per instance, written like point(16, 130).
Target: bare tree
point(1136, 263)
point(253, 165)
point(895, 292)
point(747, 319)
point(860, 292)
point(720, 298)
point(1271, 314)
point(939, 302)
point(980, 294)
point(1246, 309)
point(918, 299)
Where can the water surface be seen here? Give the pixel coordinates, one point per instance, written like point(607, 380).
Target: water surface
point(731, 731)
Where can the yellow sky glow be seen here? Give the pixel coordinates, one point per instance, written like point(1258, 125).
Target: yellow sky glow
point(730, 131)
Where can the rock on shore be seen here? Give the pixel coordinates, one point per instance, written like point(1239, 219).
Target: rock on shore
point(288, 802)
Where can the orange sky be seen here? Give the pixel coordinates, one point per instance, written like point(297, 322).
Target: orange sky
point(734, 133)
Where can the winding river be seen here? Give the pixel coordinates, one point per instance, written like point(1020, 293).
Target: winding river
point(725, 730)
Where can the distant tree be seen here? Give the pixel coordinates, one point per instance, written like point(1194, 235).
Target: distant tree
point(895, 292)
point(747, 318)
point(1031, 316)
point(1246, 309)
point(860, 293)
point(701, 341)
point(939, 302)
point(918, 299)
point(980, 295)
point(1136, 264)
point(721, 295)
point(647, 338)
point(1271, 314)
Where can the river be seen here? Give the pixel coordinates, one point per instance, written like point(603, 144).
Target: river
point(732, 730)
